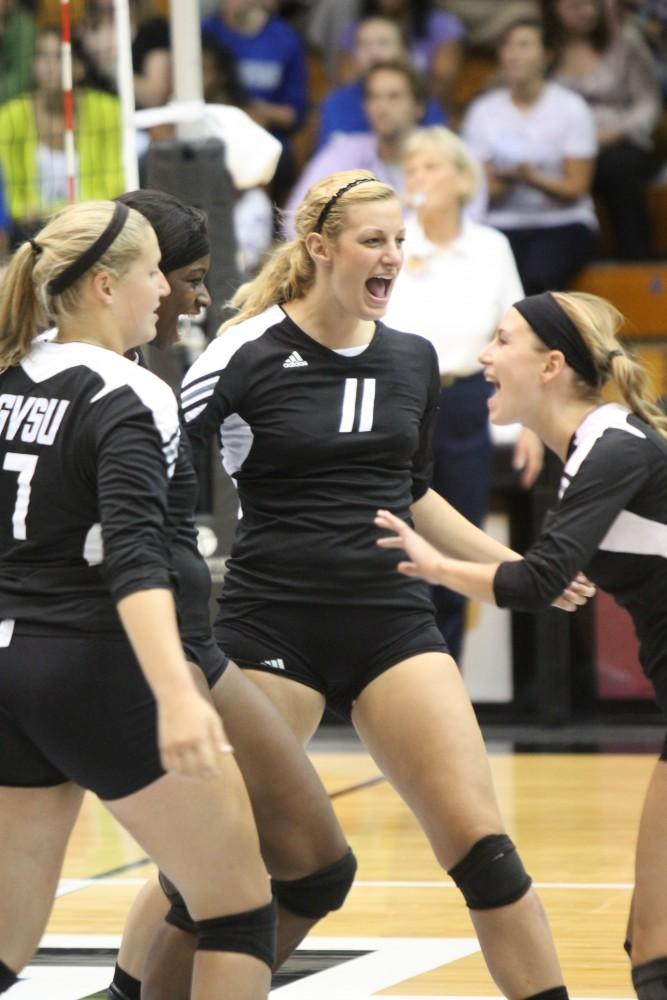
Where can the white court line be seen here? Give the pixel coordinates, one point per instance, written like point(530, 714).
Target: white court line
point(390, 962)
point(60, 982)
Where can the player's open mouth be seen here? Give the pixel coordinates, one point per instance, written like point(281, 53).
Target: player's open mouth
point(496, 387)
point(379, 288)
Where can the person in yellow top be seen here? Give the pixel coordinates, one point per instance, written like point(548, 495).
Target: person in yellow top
point(32, 144)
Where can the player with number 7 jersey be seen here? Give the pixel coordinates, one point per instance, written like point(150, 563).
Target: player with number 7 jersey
point(77, 424)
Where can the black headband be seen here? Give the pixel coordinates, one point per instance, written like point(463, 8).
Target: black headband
point(197, 245)
point(92, 254)
point(334, 198)
point(555, 329)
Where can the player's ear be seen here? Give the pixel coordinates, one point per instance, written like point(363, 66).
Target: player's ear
point(553, 365)
point(318, 248)
point(101, 285)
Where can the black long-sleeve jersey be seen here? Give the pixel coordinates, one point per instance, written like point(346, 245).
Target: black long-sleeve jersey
point(610, 522)
point(190, 576)
point(192, 579)
point(316, 441)
point(88, 441)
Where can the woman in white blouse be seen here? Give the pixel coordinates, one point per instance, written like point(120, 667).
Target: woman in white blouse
point(537, 142)
point(457, 281)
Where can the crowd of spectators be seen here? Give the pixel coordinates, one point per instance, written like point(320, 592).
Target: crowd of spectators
point(560, 101)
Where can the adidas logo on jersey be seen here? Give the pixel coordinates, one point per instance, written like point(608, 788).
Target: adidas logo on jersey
point(295, 361)
point(276, 664)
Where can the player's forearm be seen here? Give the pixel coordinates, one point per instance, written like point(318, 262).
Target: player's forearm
point(149, 619)
point(453, 535)
point(473, 580)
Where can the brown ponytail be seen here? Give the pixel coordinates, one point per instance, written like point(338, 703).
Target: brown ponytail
point(599, 322)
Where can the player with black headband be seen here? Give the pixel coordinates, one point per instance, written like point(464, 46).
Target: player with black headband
point(324, 414)
point(88, 445)
point(548, 361)
point(301, 840)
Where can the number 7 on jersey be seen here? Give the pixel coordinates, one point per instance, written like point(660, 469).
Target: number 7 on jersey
point(25, 465)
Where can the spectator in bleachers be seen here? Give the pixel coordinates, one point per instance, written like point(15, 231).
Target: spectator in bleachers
point(537, 141)
point(651, 17)
point(325, 21)
point(458, 280)
point(97, 33)
point(612, 68)
point(271, 62)
point(253, 211)
point(32, 139)
point(433, 39)
point(394, 103)
point(17, 38)
point(151, 63)
point(377, 39)
point(486, 21)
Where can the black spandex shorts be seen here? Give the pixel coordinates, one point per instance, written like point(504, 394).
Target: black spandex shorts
point(205, 652)
point(335, 650)
point(76, 709)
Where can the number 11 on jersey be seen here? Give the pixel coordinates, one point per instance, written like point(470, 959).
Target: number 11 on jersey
point(349, 411)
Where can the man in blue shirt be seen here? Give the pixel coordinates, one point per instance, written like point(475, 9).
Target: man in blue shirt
point(271, 63)
point(270, 58)
point(377, 39)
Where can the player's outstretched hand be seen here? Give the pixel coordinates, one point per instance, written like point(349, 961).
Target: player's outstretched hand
point(576, 594)
point(190, 736)
point(423, 559)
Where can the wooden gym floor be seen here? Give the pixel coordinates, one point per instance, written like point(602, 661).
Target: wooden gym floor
point(404, 931)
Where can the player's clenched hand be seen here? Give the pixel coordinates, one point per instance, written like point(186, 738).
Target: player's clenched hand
point(576, 594)
point(190, 736)
point(423, 559)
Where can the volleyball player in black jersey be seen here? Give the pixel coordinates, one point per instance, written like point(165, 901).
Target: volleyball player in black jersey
point(301, 840)
point(324, 414)
point(549, 360)
point(88, 443)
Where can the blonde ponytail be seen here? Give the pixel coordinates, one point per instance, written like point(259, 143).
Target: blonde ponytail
point(287, 275)
point(599, 323)
point(22, 315)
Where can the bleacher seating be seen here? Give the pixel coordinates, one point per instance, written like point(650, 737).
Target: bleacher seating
point(640, 292)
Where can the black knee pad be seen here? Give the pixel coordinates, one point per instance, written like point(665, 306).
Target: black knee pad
point(178, 915)
point(124, 986)
point(7, 978)
point(318, 894)
point(650, 980)
point(251, 933)
point(491, 874)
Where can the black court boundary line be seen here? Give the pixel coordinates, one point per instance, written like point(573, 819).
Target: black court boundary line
point(131, 865)
point(120, 870)
point(358, 787)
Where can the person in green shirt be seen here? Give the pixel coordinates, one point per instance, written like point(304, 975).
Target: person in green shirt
point(17, 38)
point(32, 140)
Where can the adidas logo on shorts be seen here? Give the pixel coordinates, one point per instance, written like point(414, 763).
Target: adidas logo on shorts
point(295, 361)
point(276, 664)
